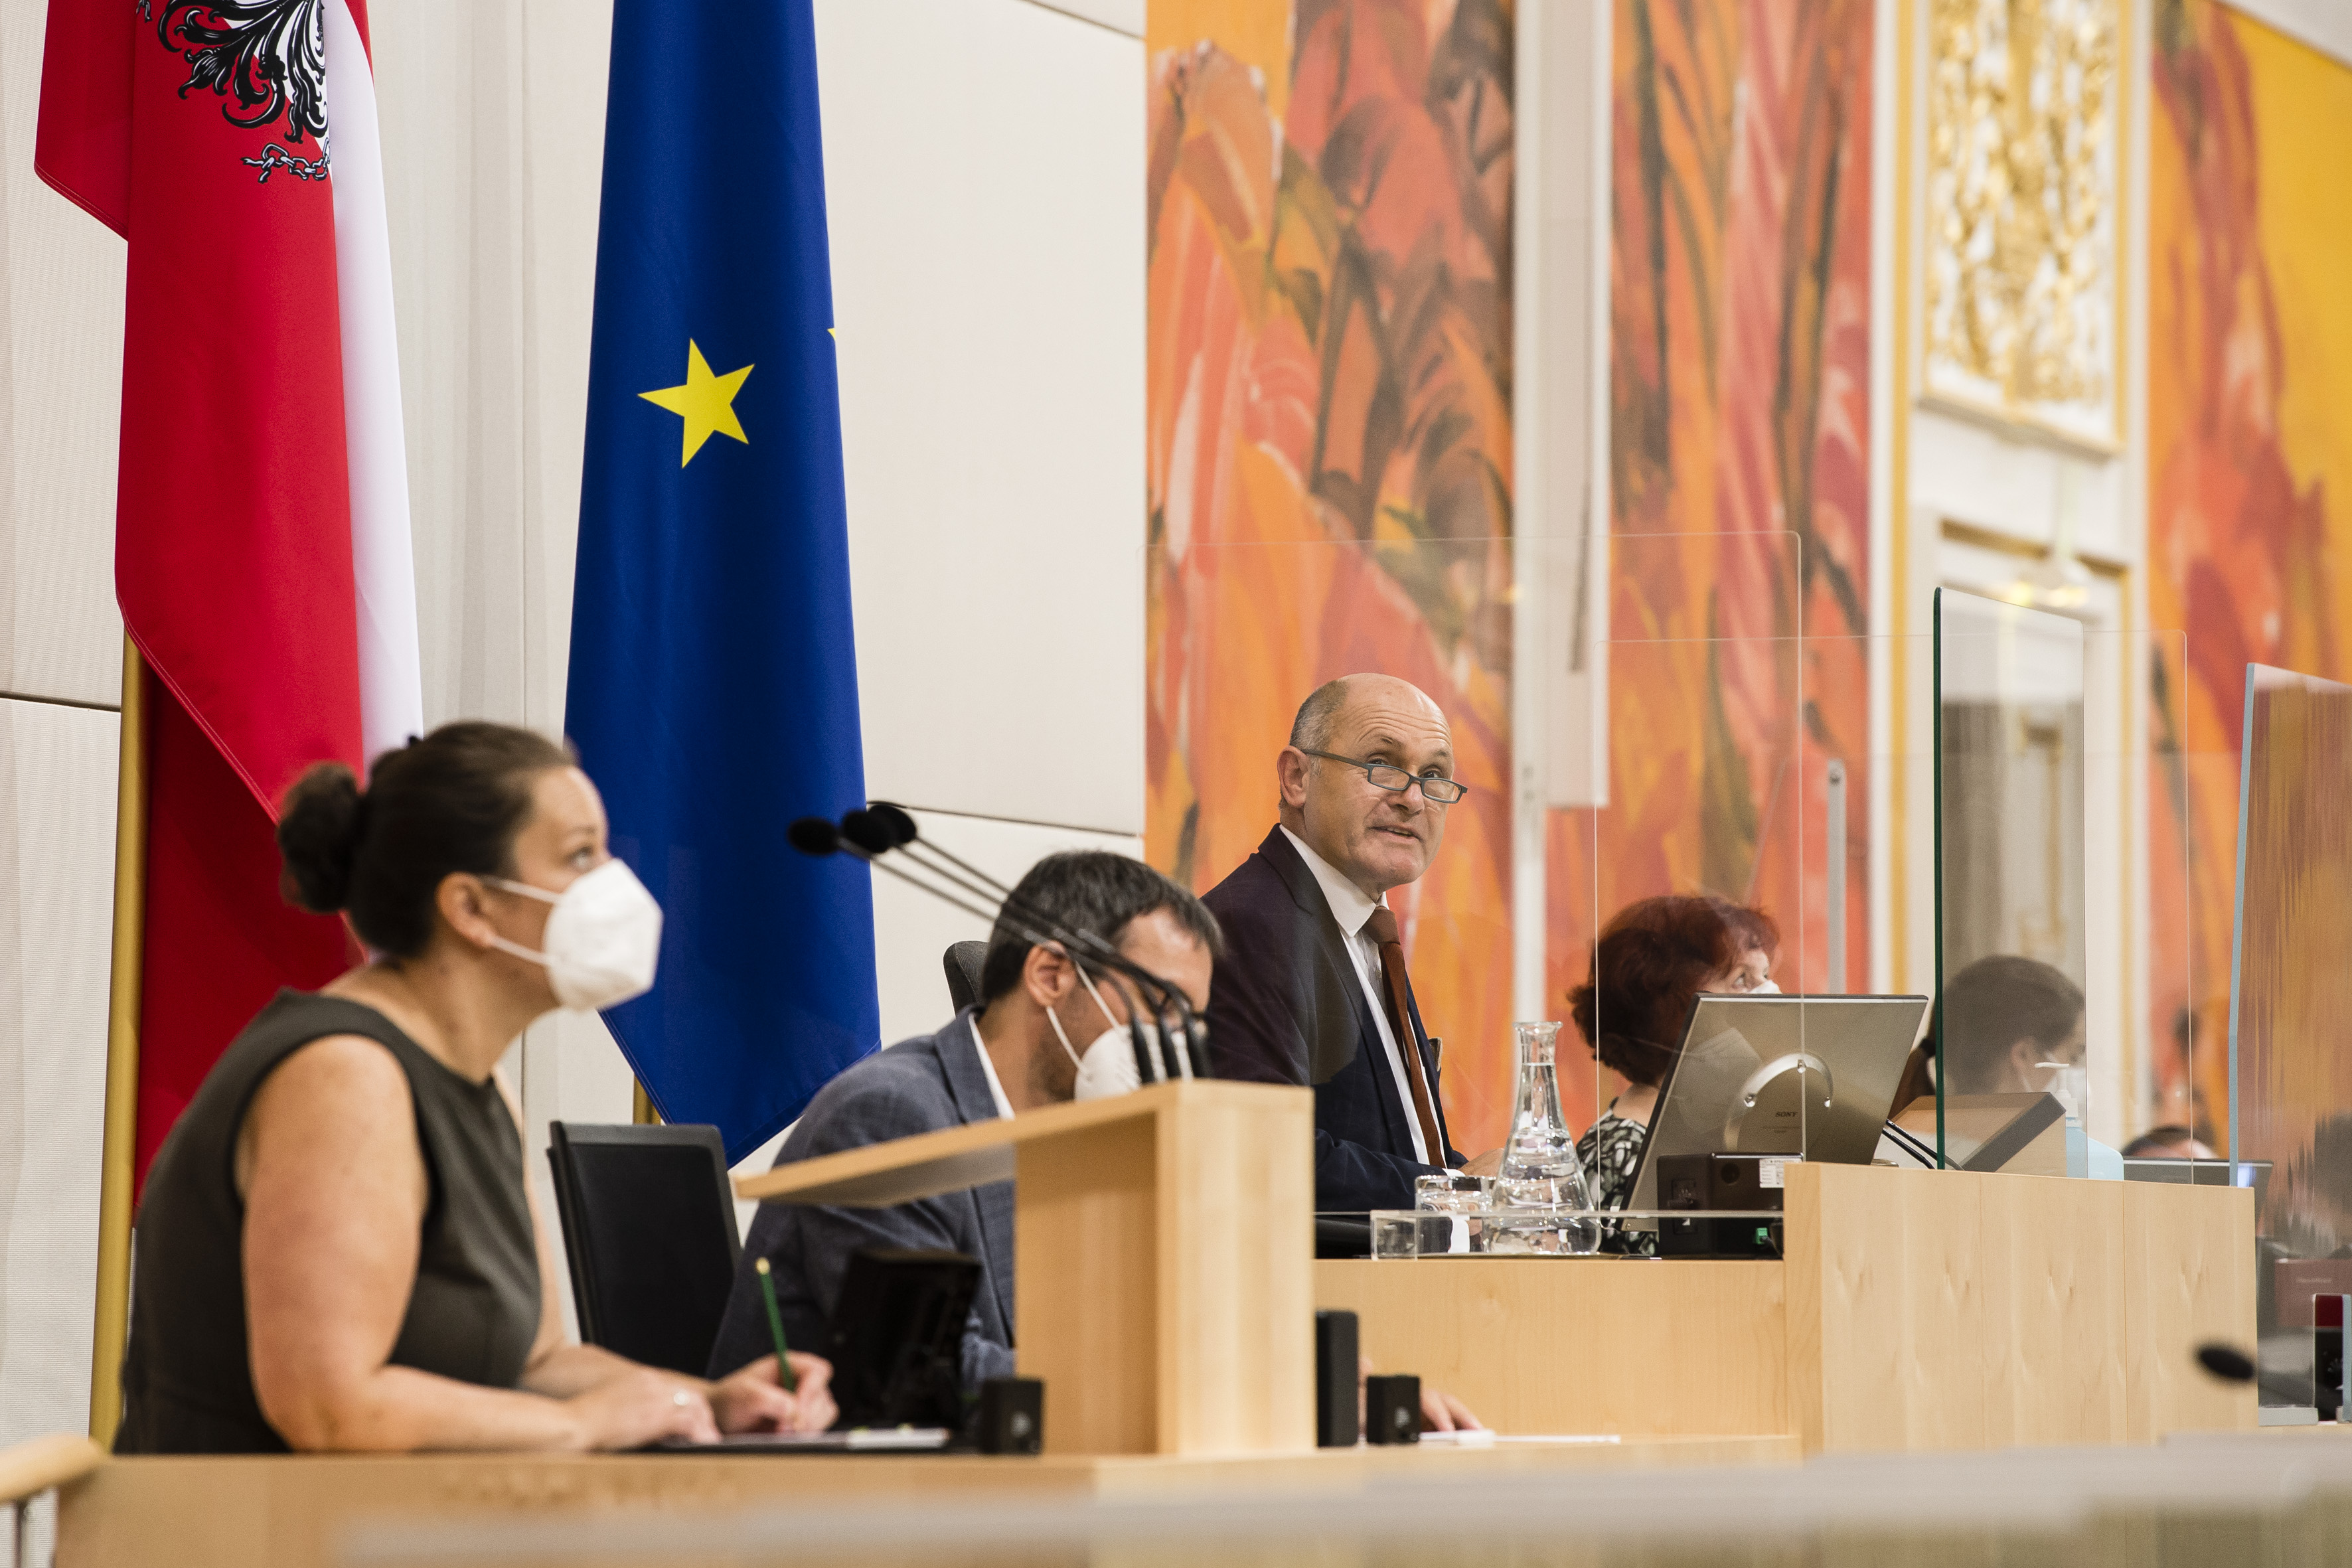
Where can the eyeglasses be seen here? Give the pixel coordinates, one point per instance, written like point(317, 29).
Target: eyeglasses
point(1397, 780)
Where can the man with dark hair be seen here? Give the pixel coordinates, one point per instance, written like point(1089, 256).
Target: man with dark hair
point(1312, 989)
point(1040, 1017)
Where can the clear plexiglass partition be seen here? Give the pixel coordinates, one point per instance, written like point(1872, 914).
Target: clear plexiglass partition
point(2063, 952)
point(2291, 1027)
point(1679, 717)
point(1748, 773)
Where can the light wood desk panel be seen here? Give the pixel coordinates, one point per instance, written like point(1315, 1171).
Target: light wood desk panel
point(1947, 1309)
point(1579, 1345)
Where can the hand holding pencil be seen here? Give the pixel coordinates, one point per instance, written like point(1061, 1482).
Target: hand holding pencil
point(785, 1393)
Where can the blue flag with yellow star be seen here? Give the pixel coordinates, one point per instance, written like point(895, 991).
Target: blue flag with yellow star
point(714, 686)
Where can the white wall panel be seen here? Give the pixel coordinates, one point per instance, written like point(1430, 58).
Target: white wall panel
point(984, 181)
point(60, 404)
point(1122, 15)
point(56, 887)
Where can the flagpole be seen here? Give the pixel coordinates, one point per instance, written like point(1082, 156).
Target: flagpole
point(111, 1324)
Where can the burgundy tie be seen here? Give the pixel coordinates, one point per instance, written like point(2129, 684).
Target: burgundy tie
point(1382, 928)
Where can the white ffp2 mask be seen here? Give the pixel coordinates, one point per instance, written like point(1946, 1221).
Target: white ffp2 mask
point(603, 940)
point(1108, 1065)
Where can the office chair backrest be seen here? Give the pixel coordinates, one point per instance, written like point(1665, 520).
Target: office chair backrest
point(649, 1228)
point(962, 960)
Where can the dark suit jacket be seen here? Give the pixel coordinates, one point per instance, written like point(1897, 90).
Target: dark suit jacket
point(921, 1086)
point(1285, 1007)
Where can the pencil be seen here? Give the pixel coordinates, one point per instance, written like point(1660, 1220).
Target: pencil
point(776, 1326)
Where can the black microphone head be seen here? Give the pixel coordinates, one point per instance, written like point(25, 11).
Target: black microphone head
point(2226, 1361)
point(814, 835)
point(901, 826)
point(862, 829)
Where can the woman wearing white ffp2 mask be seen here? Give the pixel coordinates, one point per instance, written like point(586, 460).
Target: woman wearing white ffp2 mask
point(337, 1246)
point(604, 937)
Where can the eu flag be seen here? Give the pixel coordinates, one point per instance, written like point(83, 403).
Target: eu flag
point(713, 689)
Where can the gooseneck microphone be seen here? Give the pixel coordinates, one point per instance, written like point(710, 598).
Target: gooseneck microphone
point(884, 825)
point(883, 829)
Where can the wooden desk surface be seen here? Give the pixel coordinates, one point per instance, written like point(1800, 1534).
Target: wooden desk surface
point(289, 1512)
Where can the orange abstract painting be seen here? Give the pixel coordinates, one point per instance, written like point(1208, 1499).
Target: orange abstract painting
point(1740, 419)
point(1330, 445)
point(2249, 373)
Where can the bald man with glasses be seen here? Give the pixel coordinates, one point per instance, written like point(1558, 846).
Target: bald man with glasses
point(1312, 988)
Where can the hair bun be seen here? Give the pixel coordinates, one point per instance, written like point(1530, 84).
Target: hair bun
point(319, 827)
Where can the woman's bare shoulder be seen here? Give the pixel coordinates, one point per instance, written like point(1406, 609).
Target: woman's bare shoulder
point(336, 1078)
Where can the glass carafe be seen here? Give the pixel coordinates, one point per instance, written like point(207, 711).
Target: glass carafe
point(1541, 1170)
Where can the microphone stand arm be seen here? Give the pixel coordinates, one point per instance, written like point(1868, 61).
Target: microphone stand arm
point(1168, 1002)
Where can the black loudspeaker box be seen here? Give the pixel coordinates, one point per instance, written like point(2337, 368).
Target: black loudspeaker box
point(1012, 1416)
point(1741, 1184)
point(1335, 1380)
point(1393, 1409)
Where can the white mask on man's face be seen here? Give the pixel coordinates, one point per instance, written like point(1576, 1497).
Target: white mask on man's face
point(1108, 1065)
point(1765, 988)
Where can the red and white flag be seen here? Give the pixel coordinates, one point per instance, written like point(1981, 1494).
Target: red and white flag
point(262, 556)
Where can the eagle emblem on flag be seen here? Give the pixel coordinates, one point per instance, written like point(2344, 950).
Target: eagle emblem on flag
point(269, 56)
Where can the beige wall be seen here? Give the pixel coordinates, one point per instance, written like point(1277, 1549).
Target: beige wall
point(985, 161)
point(60, 677)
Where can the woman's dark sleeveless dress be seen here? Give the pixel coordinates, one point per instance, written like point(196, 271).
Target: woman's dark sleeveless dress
point(187, 1385)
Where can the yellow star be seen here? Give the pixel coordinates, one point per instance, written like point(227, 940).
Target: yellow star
point(707, 403)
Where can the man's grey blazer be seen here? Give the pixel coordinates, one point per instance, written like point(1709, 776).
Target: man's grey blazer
point(920, 1085)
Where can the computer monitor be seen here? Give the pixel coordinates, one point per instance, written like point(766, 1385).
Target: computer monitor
point(2022, 1132)
point(1805, 1076)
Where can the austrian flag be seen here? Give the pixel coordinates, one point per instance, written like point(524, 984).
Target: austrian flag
point(262, 555)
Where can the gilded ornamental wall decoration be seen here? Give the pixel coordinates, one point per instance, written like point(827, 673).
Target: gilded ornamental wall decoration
point(2021, 190)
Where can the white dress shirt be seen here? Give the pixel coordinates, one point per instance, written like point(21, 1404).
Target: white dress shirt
point(1352, 910)
point(988, 1066)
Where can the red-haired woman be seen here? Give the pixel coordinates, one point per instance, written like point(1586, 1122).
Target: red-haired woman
point(1654, 957)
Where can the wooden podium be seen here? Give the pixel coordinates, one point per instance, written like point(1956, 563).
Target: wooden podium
point(1164, 1254)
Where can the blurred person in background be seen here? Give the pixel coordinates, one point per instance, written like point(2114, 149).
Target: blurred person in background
point(2174, 1143)
point(2013, 1025)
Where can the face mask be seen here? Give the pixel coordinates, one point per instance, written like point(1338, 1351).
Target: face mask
point(603, 937)
point(2068, 1080)
point(1107, 1068)
point(1767, 989)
